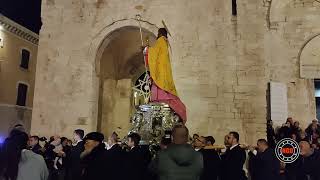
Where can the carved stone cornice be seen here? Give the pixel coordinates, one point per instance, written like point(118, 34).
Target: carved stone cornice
point(13, 27)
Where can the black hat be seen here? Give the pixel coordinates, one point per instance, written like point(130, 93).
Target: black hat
point(95, 136)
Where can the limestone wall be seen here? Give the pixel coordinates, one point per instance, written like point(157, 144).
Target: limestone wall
point(292, 24)
point(221, 64)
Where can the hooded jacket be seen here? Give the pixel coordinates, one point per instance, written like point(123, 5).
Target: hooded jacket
point(32, 166)
point(179, 162)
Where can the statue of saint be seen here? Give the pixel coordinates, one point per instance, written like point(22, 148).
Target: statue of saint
point(163, 89)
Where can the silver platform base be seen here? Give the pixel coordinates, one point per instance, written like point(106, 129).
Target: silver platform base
point(151, 121)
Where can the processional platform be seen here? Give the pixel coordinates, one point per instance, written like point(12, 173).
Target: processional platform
point(152, 121)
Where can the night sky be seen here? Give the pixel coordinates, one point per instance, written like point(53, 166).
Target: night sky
point(25, 12)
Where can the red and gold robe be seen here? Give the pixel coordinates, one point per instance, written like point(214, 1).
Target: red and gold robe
point(163, 88)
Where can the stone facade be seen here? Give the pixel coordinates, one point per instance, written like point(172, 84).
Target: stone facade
point(221, 63)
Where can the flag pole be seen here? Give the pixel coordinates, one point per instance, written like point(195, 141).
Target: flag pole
point(147, 78)
point(139, 19)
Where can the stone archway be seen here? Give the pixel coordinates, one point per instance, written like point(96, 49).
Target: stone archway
point(308, 58)
point(120, 62)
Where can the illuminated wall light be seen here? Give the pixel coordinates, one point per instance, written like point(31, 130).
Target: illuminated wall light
point(1, 140)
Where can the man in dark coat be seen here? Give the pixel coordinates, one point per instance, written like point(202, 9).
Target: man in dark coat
point(74, 168)
point(310, 161)
point(137, 160)
point(211, 160)
point(293, 171)
point(35, 146)
point(234, 159)
point(94, 157)
point(115, 157)
point(266, 166)
point(271, 135)
point(284, 131)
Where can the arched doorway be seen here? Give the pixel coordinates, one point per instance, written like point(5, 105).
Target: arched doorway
point(120, 63)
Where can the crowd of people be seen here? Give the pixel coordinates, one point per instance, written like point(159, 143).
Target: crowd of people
point(292, 129)
point(92, 157)
point(307, 166)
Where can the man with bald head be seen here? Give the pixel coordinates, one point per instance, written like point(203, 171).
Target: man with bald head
point(263, 162)
point(310, 161)
point(179, 161)
point(115, 157)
